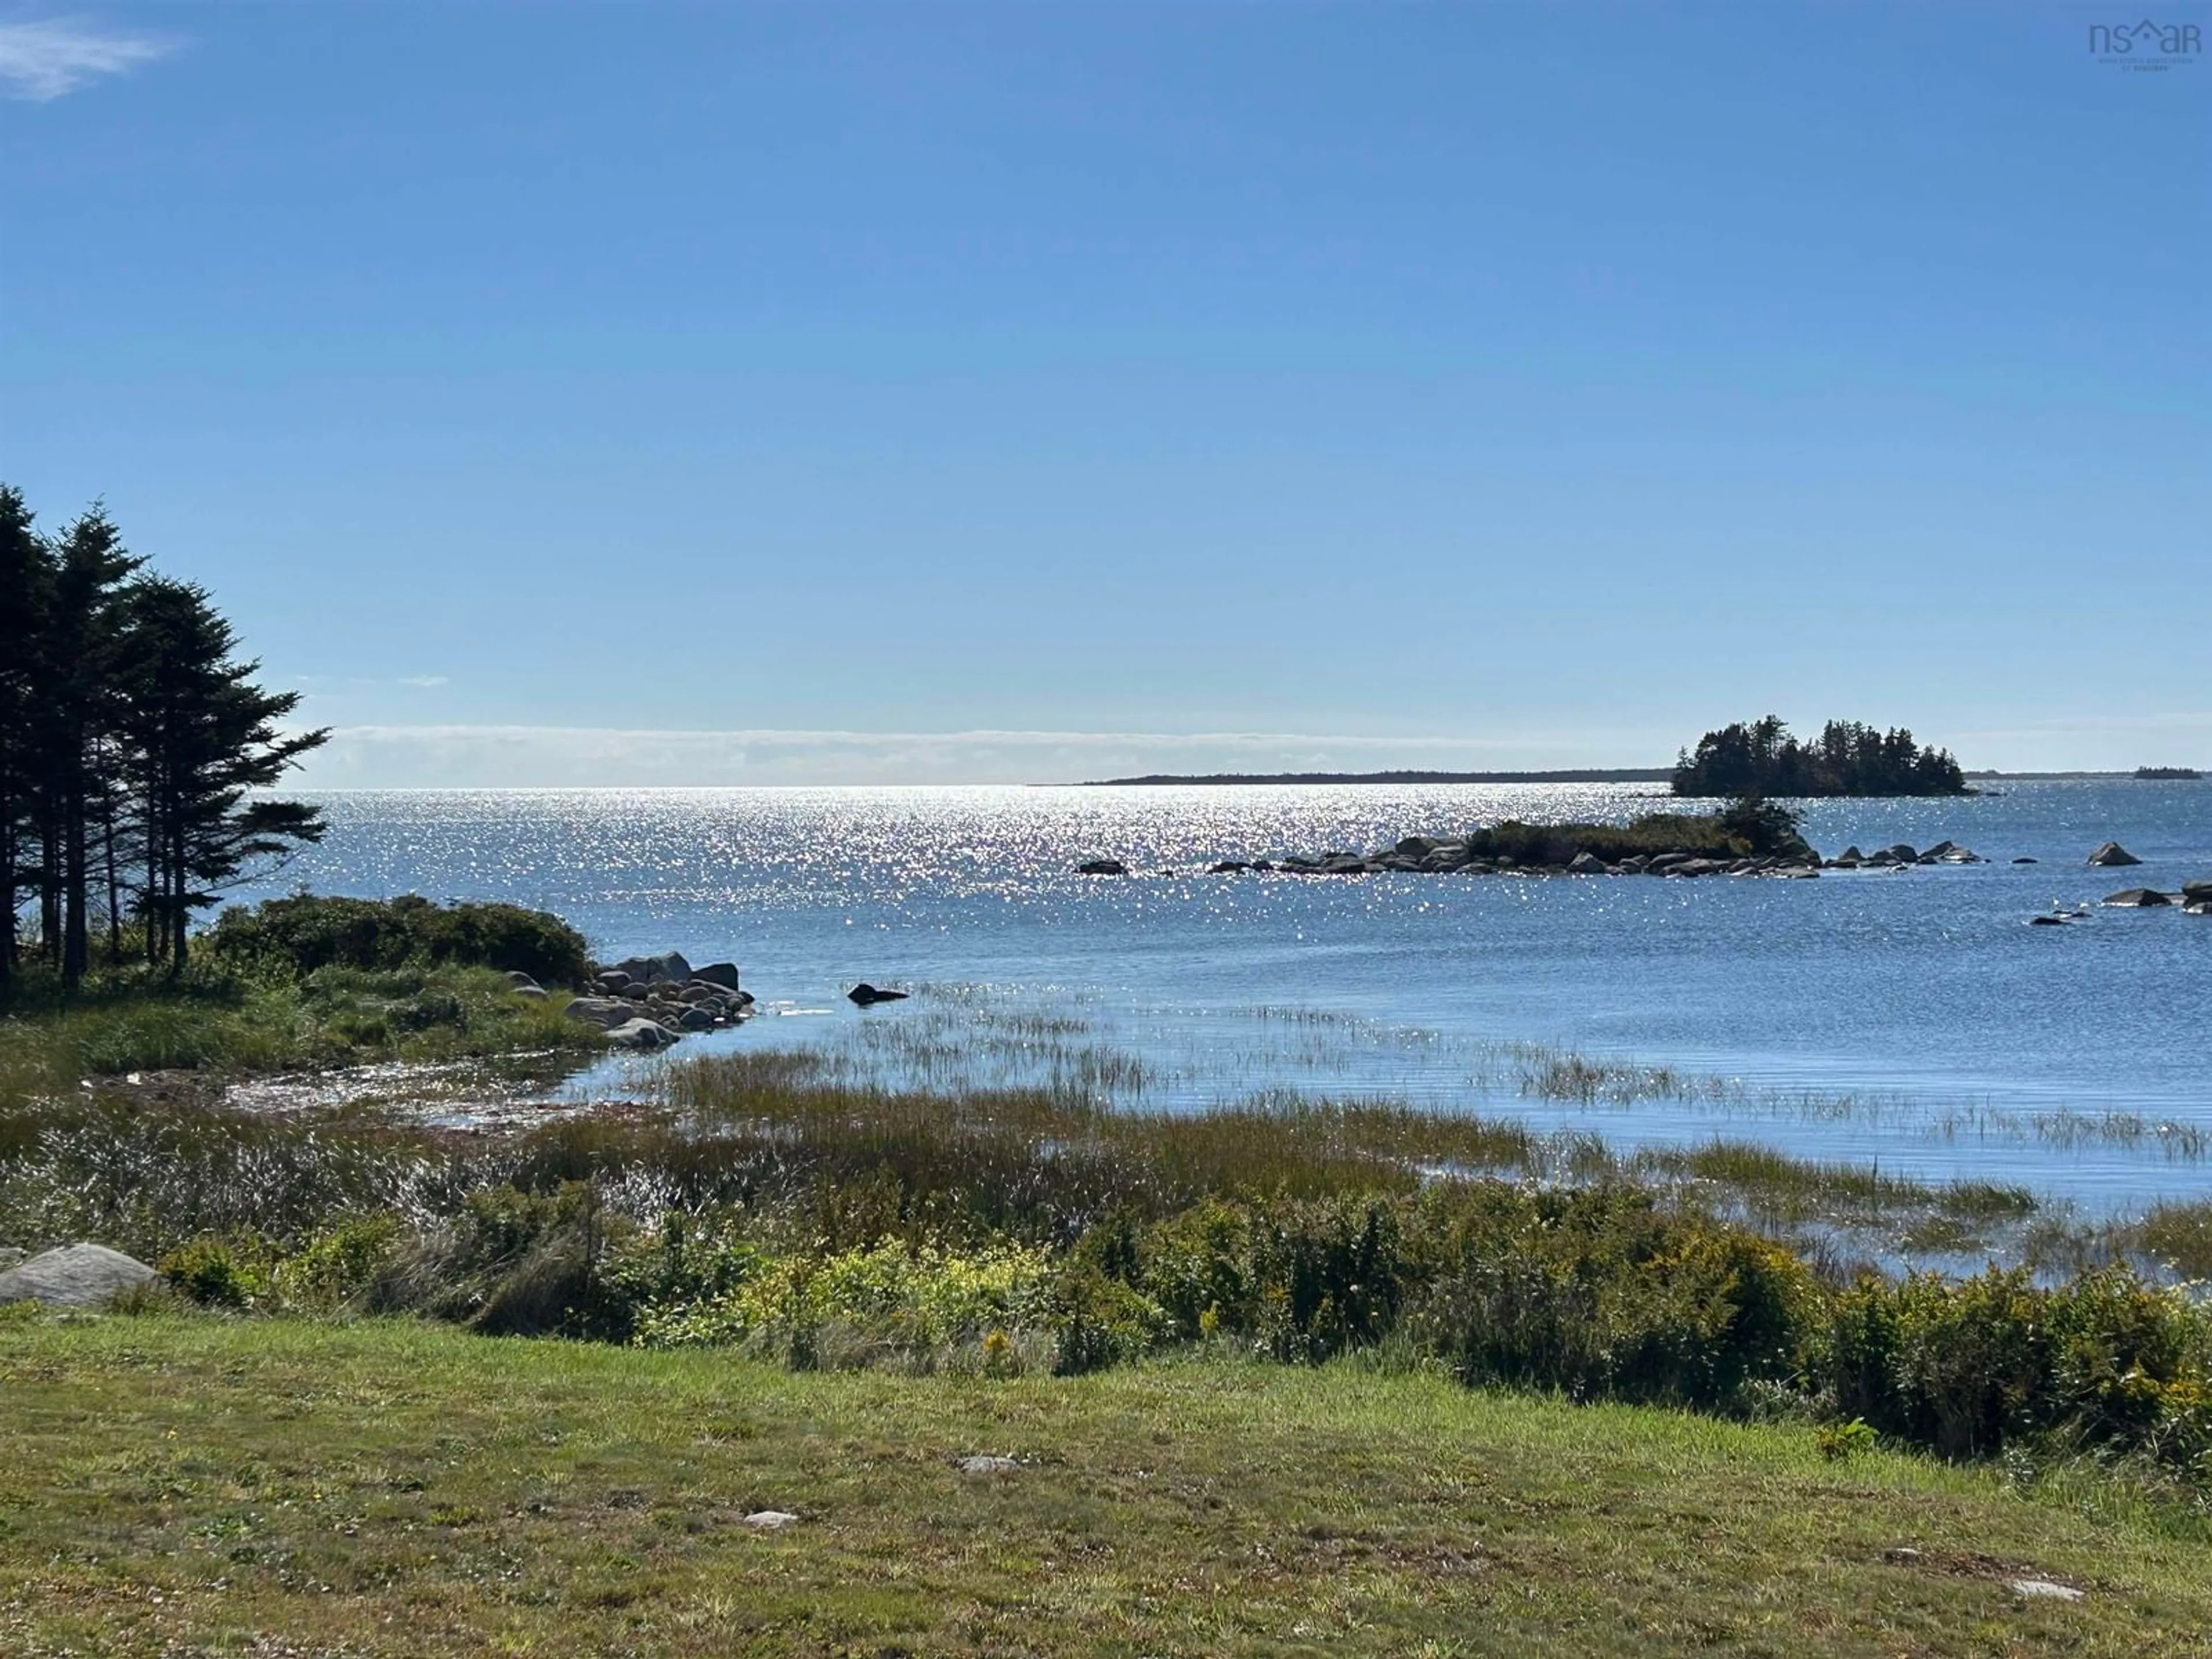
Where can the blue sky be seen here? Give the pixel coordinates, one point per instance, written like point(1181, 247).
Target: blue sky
point(640, 393)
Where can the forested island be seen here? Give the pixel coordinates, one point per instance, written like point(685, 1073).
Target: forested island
point(1759, 758)
point(2167, 775)
point(1848, 758)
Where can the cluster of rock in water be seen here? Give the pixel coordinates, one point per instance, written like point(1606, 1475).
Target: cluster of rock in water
point(1444, 855)
point(648, 1002)
point(1434, 854)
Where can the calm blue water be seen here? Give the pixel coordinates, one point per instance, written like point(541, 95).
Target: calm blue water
point(1897, 1016)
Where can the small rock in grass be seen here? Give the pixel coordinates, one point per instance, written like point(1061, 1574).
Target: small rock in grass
point(984, 1464)
point(769, 1520)
point(2044, 1587)
point(1904, 1555)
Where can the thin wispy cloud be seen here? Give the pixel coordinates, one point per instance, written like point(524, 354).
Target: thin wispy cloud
point(424, 680)
point(44, 60)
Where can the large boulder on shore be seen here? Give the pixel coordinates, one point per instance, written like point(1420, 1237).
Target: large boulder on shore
point(606, 1012)
point(1588, 864)
point(2112, 855)
point(75, 1276)
point(2197, 892)
point(667, 968)
point(643, 1035)
point(724, 974)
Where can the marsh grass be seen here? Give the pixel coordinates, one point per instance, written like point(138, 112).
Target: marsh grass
point(2179, 1235)
point(219, 1023)
point(969, 1038)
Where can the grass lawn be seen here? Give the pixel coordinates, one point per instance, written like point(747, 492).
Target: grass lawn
point(187, 1485)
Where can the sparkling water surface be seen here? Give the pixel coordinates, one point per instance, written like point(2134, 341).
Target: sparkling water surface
point(1914, 1018)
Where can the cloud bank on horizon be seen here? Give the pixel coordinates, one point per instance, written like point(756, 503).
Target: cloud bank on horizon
point(578, 758)
point(46, 60)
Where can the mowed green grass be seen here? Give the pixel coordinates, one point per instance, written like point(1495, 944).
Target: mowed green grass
point(188, 1485)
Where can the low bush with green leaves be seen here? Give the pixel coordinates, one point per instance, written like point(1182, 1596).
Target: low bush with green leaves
point(1971, 1367)
point(307, 932)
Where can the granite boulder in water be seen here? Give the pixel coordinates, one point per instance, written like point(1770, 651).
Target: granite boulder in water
point(2137, 898)
point(865, 994)
point(644, 1035)
point(2112, 855)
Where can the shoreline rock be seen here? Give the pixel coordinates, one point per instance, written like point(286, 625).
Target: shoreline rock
point(645, 1003)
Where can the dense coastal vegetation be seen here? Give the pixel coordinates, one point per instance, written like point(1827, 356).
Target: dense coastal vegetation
point(751, 1205)
point(1847, 758)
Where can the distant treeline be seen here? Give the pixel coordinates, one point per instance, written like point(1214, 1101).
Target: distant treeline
point(1847, 758)
point(133, 743)
point(2168, 774)
point(1612, 774)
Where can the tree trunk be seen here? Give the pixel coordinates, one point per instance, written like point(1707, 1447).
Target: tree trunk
point(8, 891)
point(154, 934)
point(114, 884)
point(75, 879)
point(177, 916)
point(49, 892)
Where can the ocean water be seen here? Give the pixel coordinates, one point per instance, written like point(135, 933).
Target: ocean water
point(1914, 1019)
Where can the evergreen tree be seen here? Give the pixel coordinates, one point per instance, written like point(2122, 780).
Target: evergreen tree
point(24, 571)
point(134, 746)
point(204, 736)
point(73, 710)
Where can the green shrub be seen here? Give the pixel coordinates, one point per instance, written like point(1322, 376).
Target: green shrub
point(1332, 1274)
point(220, 1272)
point(1096, 1321)
point(1599, 1294)
point(338, 1269)
point(300, 934)
point(1840, 1442)
point(1198, 1267)
point(888, 1301)
point(1971, 1367)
